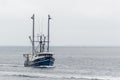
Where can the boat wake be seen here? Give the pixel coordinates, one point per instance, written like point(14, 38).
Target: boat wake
point(56, 76)
point(10, 65)
point(14, 65)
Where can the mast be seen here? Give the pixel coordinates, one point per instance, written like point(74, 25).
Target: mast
point(33, 45)
point(48, 32)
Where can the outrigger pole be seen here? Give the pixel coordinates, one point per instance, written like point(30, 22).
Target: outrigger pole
point(33, 46)
point(48, 32)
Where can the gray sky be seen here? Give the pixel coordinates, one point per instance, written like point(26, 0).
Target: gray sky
point(74, 22)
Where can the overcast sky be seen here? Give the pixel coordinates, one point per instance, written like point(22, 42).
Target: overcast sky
point(74, 22)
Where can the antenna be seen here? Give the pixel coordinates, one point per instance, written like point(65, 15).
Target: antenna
point(40, 43)
point(48, 31)
point(44, 43)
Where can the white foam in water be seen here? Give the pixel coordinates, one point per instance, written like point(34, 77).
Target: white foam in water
point(61, 76)
point(46, 67)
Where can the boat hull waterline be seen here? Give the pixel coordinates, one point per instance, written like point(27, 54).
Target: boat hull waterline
point(40, 62)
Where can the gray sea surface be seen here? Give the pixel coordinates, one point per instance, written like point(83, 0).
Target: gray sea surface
point(72, 63)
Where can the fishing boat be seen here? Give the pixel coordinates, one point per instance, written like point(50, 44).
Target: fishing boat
point(41, 55)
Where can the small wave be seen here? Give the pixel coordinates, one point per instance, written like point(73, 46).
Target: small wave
point(59, 76)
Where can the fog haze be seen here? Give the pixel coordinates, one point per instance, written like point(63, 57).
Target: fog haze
point(74, 22)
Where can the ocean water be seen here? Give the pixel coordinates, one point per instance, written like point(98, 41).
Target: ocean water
point(72, 63)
